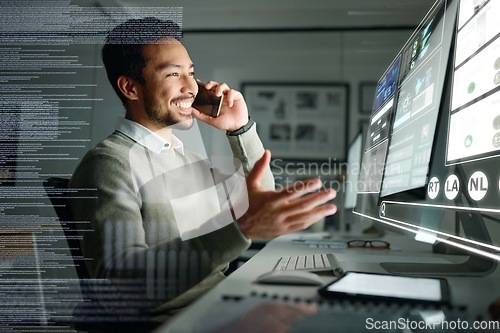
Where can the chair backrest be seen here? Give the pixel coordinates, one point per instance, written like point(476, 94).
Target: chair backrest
point(57, 191)
point(89, 315)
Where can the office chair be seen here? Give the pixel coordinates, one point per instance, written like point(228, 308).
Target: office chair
point(56, 189)
point(89, 315)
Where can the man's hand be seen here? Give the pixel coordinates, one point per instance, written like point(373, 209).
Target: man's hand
point(234, 112)
point(273, 213)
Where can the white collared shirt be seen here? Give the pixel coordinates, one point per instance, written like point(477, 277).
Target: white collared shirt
point(147, 138)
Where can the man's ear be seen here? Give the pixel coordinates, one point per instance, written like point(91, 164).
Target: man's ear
point(128, 87)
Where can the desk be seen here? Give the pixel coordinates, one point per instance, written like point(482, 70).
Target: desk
point(475, 292)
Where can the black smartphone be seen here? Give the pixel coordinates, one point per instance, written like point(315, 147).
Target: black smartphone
point(374, 286)
point(206, 101)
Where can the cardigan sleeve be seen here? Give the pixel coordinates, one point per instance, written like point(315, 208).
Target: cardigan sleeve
point(248, 149)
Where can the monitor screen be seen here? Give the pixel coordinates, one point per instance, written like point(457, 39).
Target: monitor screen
point(376, 143)
point(352, 172)
point(383, 106)
point(423, 68)
point(436, 173)
point(475, 88)
point(386, 85)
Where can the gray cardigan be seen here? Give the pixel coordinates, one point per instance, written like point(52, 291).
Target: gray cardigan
point(130, 208)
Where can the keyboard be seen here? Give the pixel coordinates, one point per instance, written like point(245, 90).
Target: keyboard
point(311, 262)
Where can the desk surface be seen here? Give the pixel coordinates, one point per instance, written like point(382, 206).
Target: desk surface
point(474, 292)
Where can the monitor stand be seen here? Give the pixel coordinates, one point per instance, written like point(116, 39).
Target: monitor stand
point(475, 265)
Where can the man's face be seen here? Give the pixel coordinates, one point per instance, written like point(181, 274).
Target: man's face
point(169, 87)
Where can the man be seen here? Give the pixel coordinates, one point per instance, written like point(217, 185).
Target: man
point(144, 181)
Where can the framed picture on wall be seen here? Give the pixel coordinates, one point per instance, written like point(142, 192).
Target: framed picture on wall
point(300, 121)
point(366, 96)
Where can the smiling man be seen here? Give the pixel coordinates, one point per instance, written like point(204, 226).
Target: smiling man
point(137, 231)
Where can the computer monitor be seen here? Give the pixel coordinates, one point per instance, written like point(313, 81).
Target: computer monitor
point(352, 171)
point(376, 143)
point(431, 162)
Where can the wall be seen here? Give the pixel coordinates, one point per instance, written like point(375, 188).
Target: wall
point(305, 57)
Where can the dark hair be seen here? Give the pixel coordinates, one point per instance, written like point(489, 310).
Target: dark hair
point(121, 53)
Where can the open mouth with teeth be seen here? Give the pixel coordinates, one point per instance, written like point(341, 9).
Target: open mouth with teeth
point(184, 105)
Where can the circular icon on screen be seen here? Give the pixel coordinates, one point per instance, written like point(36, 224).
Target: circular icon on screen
point(433, 188)
point(406, 103)
point(496, 79)
point(382, 209)
point(471, 87)
point(496, 140)
point(477, 185)
point(497, 63)
point(468, 141)
point(496, 123)
point(451, 187)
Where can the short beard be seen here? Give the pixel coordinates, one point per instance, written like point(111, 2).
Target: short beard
point(167, 120)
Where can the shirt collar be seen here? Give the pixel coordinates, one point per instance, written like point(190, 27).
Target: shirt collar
point(148, 138)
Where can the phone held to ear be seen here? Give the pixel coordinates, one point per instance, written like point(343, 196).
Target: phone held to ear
point(206, 101)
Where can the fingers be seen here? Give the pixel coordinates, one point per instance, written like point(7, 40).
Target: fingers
point(219, 88)
point(306, 219)
point(300, 188)
point(301, 213)
point(230, 94)
point(255, 176)
point(309, 202)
